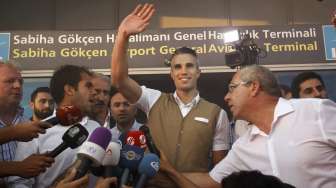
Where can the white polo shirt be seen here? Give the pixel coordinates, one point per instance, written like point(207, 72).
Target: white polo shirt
point(221, 140)
point(300, 148)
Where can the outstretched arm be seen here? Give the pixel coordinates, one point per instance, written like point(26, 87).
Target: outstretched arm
point(24, 132)
point(134, 23)
point(187, 180)
point(30, 167)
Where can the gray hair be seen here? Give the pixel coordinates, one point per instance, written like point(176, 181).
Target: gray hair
point(264, 76)
point(102, 77)
point(10, 64)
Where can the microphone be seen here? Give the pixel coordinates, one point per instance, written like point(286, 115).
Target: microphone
point(65, 115)
point(111, 159)
point(122, 138)
point(148, 167)
point(93, 151)
point(136, 138)
point(109, 163)
point(150, 143)
point(130, 158)
point(112, 154)
point(73, 137)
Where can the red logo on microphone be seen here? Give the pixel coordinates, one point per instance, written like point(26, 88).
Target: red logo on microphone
point(130, 141)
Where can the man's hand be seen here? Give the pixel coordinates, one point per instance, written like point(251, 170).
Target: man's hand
point(33, 165)
point(106, 182)
point(68, 181)
point(29, 130)
point(137, 21)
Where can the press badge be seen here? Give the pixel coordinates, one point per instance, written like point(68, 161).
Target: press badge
point(202, 119)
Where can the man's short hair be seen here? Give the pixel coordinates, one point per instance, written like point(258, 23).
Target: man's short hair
point(66, 75)
point(300, 78)
point(185, 50)
point(10, 64)
point(264, 76)
point(38, 90)
point(102, 77)
point(141, 116)
point(252, 179)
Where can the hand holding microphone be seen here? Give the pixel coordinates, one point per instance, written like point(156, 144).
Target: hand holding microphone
point(72, 138)
point(25, 131)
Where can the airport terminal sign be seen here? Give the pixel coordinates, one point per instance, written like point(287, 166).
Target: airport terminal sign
point(46, 50)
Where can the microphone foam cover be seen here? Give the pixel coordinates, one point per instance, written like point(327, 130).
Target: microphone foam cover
point(112, 154)
point(130, 157)
point(149, 165)
point(68, 115)
point(101, 136)
point(136, 138)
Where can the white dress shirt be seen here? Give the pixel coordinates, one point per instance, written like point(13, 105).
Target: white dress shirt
point(44, 143)
point(221, 139)
point(300, 148)
point(116, 132)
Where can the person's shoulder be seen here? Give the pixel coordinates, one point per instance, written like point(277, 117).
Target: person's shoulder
point(92, 123)
point(308, 102)
point(149, 91)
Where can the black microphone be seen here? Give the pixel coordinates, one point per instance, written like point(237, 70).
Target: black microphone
point(150, 143)
point(73, 137)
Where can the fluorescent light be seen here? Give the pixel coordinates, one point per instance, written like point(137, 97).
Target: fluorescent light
point(231, 36)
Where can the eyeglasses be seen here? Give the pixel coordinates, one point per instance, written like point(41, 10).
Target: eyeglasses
point(233, 86)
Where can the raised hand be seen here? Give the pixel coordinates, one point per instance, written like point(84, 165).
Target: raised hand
point(34, 165)
point(137, 21)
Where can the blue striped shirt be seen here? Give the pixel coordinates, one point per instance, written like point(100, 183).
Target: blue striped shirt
point(7, 150)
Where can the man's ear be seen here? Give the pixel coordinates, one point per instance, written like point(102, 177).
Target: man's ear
point(255, 88)
point(198, 72)
point(171, 74)
point(69, 90)
point(31, 105)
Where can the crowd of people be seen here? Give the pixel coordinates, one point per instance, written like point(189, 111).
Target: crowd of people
point(279, 136)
